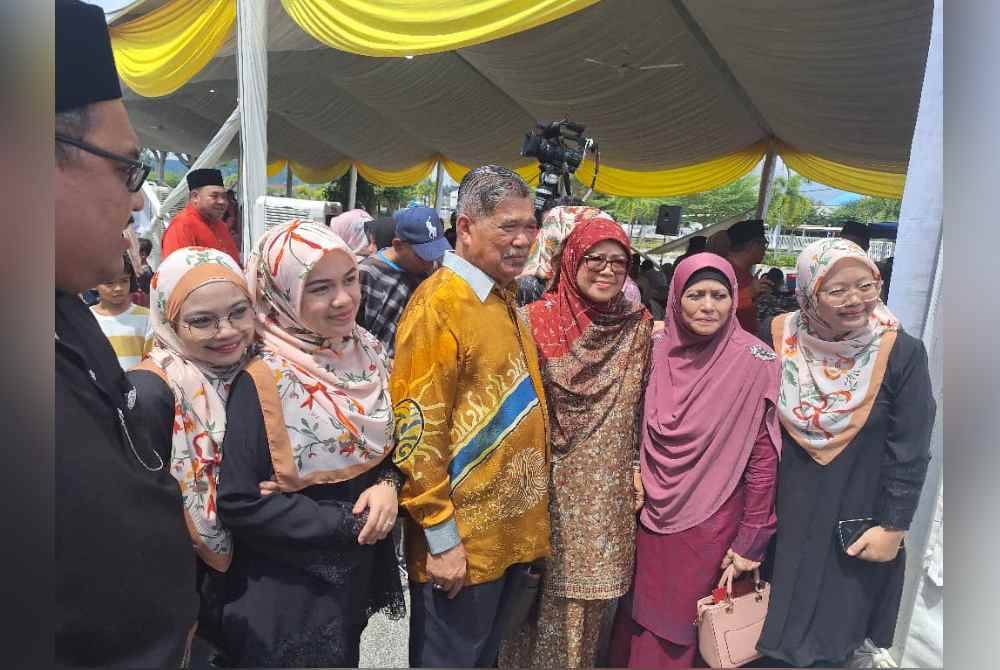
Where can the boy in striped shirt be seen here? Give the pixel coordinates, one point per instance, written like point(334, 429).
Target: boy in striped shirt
point(125, 324)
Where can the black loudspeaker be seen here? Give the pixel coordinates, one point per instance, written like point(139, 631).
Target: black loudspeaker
point(668, 220)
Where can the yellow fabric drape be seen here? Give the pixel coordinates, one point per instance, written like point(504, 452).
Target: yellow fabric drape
point(413, 27)
point(674, 181)
point(456, 171)
point(844, 177)
point(405, 177)
point(274, 167)
point(313, 175)
point(158, 53)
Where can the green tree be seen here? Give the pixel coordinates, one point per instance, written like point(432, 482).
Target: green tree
point(705, 208)
point(788, 206)
point(869, 210)
point(339, 189)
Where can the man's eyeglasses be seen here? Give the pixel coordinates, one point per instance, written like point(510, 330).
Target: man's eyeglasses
point(137, 171)
point(597, 263)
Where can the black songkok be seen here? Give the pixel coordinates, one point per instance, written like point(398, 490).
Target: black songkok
point(203, 177)
point(85, 65)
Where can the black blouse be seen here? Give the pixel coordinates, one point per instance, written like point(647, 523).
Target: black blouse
point(824, 603)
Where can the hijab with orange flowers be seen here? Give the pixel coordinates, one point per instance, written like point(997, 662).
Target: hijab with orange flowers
point(333, 393)
point(828, 383)
point(200, 394)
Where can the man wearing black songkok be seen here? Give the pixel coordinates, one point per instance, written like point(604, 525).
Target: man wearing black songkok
point(201, 223)
point(125, 571)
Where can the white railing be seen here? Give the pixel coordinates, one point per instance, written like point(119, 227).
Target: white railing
point(793, 244)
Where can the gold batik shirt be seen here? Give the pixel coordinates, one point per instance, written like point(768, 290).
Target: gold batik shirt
point(470, 425)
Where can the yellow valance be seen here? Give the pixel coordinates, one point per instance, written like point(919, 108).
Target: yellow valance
point(457, 171)
point(674, 181)
point(405, 177)
point(158, 53)
point(414, 27)
point(844, 177)
point(308, 174)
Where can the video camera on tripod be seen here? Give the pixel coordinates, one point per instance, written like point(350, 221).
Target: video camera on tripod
point(558, 160)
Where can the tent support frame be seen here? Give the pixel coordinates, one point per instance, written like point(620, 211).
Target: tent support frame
point(352, 193)
point(251, 73)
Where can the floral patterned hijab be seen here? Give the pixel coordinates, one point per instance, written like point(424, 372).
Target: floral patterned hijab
point(200, 393)
point(334, 393)
point(828, 386)
point(557, 224)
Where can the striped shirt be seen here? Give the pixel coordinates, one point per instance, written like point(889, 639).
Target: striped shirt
point(130, 334)
point(385, 290)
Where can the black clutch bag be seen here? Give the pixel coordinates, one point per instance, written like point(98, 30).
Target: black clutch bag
point(850, 530)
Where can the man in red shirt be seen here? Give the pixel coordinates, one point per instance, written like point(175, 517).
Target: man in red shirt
point(201, 223)
point(748, 243)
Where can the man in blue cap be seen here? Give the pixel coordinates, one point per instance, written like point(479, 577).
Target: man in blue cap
point(390, 275)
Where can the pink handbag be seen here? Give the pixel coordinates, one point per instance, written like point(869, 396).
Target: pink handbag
point(728, 631)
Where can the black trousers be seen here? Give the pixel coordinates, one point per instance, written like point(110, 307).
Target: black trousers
point(464, 632)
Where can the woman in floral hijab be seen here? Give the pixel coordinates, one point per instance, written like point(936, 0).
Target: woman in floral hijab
point(307, 489)
point(856, 413)
point(203, 325)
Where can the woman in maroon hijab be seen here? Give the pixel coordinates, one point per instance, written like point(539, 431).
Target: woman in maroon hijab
point(709, 460)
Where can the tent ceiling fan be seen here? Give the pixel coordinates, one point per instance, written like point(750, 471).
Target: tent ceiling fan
point(626, 64)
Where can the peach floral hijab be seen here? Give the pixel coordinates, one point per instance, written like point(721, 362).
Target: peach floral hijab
point(200, 392)
point(828, 386)
point(333, 393)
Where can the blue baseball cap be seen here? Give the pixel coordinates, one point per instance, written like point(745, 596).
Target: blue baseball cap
point(422, 229)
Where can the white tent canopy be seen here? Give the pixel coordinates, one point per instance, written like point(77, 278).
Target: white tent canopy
point(836, 80)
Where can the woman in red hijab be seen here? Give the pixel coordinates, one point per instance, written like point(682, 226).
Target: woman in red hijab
point(593, 350)
point(709, 460)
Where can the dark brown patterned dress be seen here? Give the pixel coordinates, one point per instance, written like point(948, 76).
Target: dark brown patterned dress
point(594, 397)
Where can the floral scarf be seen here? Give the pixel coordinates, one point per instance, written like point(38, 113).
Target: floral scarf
point(828, 386)
point(333, 393)
point(557, 224)
point(200, 394)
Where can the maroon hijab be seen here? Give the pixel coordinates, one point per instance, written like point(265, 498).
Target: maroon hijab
point(706, 399)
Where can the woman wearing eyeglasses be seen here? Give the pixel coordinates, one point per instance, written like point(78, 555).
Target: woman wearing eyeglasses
point(593, 350)
point(543, 258)
point(203, 326)
point(709, 461)
point(856, 414)
point(307, 489)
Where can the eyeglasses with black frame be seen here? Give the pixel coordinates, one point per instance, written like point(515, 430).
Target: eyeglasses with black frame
point(137, 171)
point(597, 263)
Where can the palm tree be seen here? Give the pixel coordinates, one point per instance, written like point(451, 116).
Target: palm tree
point(789, 208)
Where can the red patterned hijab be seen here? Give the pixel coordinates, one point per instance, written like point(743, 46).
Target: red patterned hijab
point(589, 353)
point(563, 313)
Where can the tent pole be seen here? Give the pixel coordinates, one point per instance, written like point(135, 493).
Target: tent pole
point(439, 187)
point(352, 193)
point(161, 167)
point(913, 292)
point(288, 180)
point(766, 181)
point(251, 72)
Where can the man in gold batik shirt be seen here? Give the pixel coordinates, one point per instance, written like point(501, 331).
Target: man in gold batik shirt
point(471, 432)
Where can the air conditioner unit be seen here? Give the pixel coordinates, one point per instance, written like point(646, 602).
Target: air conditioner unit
point(278, 211)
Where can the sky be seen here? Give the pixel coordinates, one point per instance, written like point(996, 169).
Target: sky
point(110, 5)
